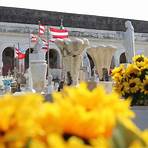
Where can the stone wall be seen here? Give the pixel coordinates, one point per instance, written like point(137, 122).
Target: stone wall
point(29, 16)
point(13, 33)
point(18, 28)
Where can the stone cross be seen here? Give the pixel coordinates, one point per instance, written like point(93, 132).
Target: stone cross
point(9, 73)
point(15, 71)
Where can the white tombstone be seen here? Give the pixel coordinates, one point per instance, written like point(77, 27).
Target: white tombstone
point(38, 67)
point(129, 41)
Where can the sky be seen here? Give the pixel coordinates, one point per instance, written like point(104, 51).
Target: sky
point(130, 9)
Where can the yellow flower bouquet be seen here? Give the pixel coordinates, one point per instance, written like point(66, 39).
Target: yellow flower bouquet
point(132, 81)
point(76, 118)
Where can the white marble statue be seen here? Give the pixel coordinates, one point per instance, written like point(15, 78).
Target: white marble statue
point(129, 41)
point(29, 83)
point(72, 50)
point(56, 86)
point(102, 56)
point(38, 46)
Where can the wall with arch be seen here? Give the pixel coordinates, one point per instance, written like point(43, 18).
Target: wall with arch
point(11, 39)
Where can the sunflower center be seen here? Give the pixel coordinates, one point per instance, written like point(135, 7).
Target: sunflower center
point(132, 85)
point(133, 75)
point(2, 133)
point(146, 87)
point(140, 59)
point(66, 136)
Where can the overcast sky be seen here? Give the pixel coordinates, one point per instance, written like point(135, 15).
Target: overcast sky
point(132, 9)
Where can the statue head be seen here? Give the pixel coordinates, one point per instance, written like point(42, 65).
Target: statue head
point(129, 25)
point(38, 46)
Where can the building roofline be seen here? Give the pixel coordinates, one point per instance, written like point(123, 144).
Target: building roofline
point(32, 16)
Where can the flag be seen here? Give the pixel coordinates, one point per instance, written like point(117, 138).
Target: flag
point(57, 33)
point(20, 53)
point(45, 45)
point(41, 29)
point(33, 38)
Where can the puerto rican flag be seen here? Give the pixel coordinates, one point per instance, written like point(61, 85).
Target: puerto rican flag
point(45, 45)
point(33, 38)
point(41, 29)
point(20, 53)
point(56, 33)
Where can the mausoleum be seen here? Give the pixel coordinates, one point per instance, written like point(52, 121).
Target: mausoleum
point(16, 25)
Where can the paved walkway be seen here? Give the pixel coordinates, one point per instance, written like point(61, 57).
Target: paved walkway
point(141, 119)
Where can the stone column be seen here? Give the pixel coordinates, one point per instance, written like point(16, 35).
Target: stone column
point(102, 56)
point(71, 50)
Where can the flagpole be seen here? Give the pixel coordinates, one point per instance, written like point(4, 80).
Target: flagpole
point(29, 48)
point(39, 23)
point(15, 68)
point(29, 40)
point(48, 66)
point(61, 25)
point(63, 70)
point(14, 57)
point(19, 69)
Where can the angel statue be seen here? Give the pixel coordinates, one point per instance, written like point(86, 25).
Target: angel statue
point(38, 46)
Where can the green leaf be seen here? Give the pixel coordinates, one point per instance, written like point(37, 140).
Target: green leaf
point(123, 136)
point(28, 143)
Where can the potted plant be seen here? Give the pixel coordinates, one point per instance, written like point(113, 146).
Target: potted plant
point(132, 80)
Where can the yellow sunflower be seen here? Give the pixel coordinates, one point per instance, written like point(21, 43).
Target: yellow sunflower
point(120, 70)
point(132, 71)
point(145, 85)
point(118, 87)
point(117, 77)
point(18, 117)
point(77, 110)
point(138, 58)
point(77, 117)
point(134, 85)
point(140, 61)
point(143, 65)
point(126, 88)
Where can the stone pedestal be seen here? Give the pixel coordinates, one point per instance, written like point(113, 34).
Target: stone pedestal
point(102, 56)
point(82, 76)
point(107, 85)
point(38, 69)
